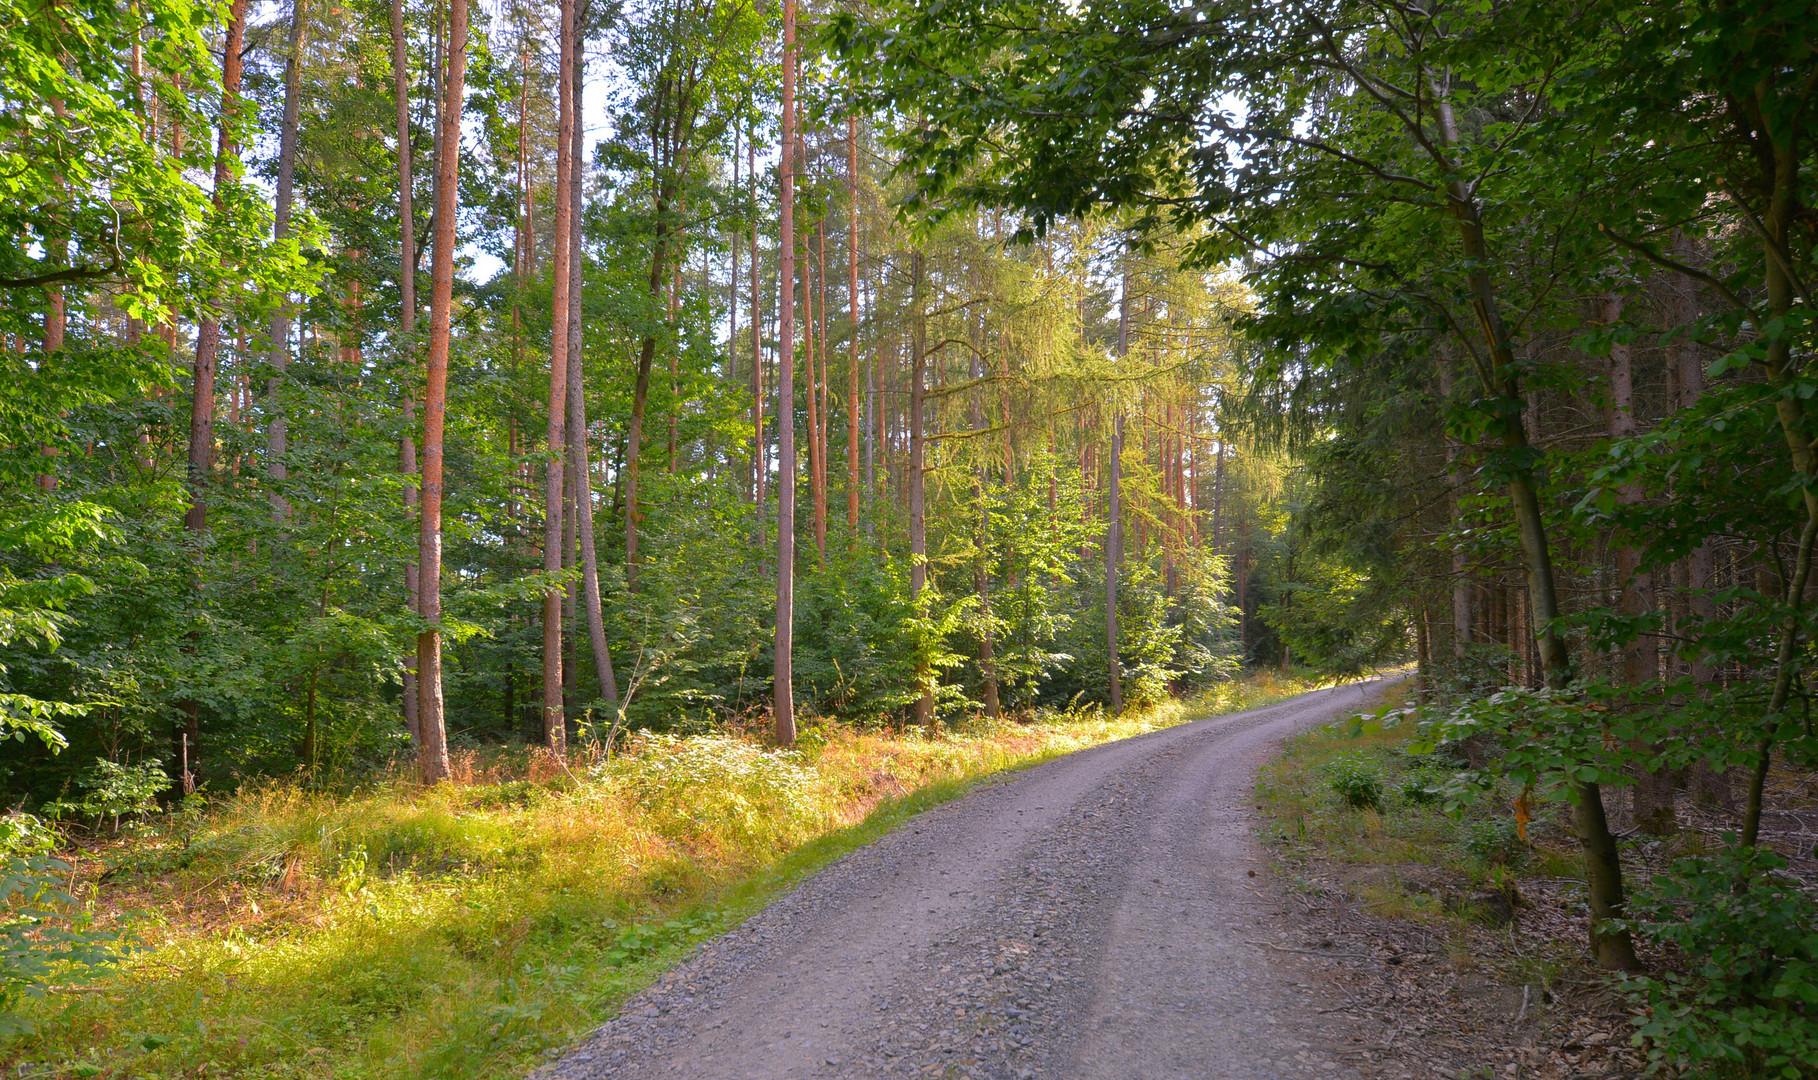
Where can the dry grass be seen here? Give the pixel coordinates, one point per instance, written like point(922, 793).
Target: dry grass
point(462, 931)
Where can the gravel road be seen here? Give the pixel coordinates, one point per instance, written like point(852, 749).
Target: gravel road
point(1097, 916)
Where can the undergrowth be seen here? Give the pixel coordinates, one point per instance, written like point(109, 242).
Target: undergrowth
point(466, 930)
point(1352, 793)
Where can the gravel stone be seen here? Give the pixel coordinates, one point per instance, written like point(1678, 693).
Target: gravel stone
point(1097, 917)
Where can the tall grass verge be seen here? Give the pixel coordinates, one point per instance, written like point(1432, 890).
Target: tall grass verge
point(465, 931)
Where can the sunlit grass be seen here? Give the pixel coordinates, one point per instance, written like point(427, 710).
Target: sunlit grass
point(462, 931)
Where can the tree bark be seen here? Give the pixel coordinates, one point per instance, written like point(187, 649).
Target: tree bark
point(1603, 867)
point(1114, 515)
point(1654, 797)
point(816, 464)
point(917, 478)
point(278, 345)
point(758, 463)
point(854, 415)
point(432, 753)
point(822, 458)
point(577, 414)
point(208, 343)
point(407, 324)
point(783, 691)
point(208, 328)
point(1782, 182)
point(1461, 585)
point(555, 731)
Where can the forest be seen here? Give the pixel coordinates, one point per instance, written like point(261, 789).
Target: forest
point(396, 388)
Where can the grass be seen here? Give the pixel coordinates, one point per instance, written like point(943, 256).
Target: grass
point(1350, 794)
point(465, 931)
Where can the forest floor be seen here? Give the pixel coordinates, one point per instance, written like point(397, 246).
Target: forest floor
point(1097, 917)
point(465, 931)
point(1448, 930)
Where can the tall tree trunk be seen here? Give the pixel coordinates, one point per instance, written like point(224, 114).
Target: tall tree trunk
point(816, 463)
point(1114, 514)
point(873, 415)
point(1603, 867)
point(1654, 789)
point(577, 412)
point(675, 355)
point(1218, 498)
point(759, 466)
point(278, 344)
point(438, 80)
point(407, 323)
point(1782, 181)
point(1639, 661)
point(640, 399)
point(1705, 784)
point(208, 344)
point(432, 753)
point(854, 415)
point(783, 692)
point(826, 407)
point(917, 478)
point(555, 731)
point(56, 312)
point(732, 279)
point(981, 576)
point(1455, 478)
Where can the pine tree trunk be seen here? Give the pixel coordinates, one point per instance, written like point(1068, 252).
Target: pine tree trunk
point(208, 344)
point(854, 415)
point(577, 413)
point(278, 345)
point(1654, 796)
point(783, 691)
point(818, 522)
point(759, 464)
point(1114, 515)
point(555, 731)
point(1782, 180)
point(826, 411)
point(432, 753)
point(917, 474)
point(407, 326)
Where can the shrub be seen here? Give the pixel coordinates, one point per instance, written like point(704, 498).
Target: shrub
point(1496, 841)
point(43, 936)
point(1419, 789)
point(115, 790)
point(1357, 781)
point(1748, 1004)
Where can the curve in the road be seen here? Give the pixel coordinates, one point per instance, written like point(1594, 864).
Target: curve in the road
point(1096, 917)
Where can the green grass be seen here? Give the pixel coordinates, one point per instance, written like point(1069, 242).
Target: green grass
point(463, 931)
point(1406, 852)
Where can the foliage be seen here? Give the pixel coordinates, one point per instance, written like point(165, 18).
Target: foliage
point(115, 789)
point(1747, 1002)
point(1356, 781)
point(44, 936)
point(1497, 841)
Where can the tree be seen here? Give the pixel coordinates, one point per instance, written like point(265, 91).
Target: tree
point(782, 693)
point(1077, 112)
point(555, 732)
point(432, 755)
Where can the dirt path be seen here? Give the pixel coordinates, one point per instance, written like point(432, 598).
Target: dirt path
point(1098, 916)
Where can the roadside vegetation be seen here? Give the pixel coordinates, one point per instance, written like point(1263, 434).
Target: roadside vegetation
point(394, 930)
point(1403, 841)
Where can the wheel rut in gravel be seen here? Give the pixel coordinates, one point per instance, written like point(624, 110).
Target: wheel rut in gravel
point(1096, 916)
